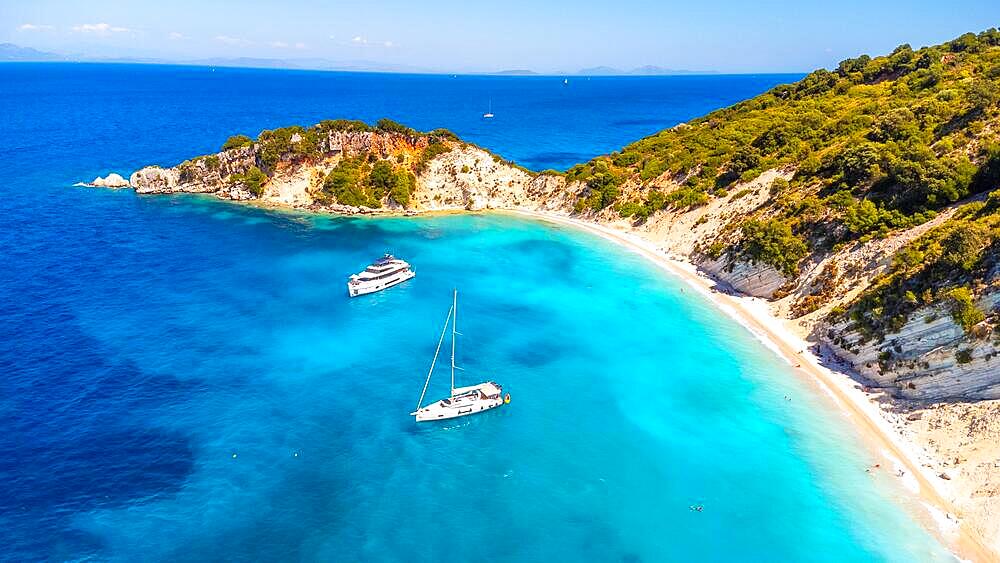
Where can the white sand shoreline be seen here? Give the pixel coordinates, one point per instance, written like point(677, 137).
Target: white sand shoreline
point(941, 516)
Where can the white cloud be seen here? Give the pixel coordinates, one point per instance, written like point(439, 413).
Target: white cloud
point(175, 35)
point(300, 45)
point(34, 27)
point(231, 40)
point(279, 44)
point(364, 42)
point(99, 28)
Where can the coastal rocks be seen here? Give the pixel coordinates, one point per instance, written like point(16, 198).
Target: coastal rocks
point(154, 180)
point(295, 186)
point(112, 180)
point(470, 178)
point(930, 358)
point(756, 279)
point(206, 174)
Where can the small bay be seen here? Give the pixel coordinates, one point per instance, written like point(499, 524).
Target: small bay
point(186, 378)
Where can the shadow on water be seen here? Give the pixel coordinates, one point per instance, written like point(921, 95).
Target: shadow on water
point(66, 405)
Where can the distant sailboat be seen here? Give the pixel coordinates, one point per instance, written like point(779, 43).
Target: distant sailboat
point(463, 401)
point(489, 113)
point(565, 81)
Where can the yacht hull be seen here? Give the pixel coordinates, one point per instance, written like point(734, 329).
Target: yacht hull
point(378, 285)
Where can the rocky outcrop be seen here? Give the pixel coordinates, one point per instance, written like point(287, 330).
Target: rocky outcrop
point(470, 178)
point(756, 279)
point(155, 180)
point(930, 357)
point(465, 177)
point(110, 181)
point(206, 174)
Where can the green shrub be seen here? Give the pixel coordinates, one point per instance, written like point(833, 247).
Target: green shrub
point(686, 197)
point(963, 308)
point(237, 142)
point(603, 190)
point(404, 183)
point(778, 186)
point(964, 247)
point(212, 162)
point(963, 356)
point(381, 179)
point(434, 149)
point(389, 126)
point(253, 180)
point(771, 241)
point(345, 125)
point(344, 182)
point(277, 144)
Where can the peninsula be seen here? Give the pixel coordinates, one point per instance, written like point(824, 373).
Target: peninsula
point(857, 210)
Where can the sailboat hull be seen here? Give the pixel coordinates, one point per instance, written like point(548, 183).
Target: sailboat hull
point(441, 411)
point(466, 400)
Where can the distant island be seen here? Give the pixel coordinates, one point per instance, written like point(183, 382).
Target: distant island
point(516, 72)
point(647, 70)
point(10, 52)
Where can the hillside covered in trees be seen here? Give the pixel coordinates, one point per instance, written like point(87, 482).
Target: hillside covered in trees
point(877, 146)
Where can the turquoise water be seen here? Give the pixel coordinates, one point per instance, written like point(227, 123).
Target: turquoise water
point(632, 401)
point(185, 379)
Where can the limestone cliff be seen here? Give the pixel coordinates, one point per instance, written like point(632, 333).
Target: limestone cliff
point(458, 176)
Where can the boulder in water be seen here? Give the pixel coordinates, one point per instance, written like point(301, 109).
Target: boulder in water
point(110, 181)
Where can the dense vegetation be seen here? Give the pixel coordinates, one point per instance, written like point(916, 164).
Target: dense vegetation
point(237, 142)
point(949, 265)
point(358, 182)
point(876, 145)
point(253, 180)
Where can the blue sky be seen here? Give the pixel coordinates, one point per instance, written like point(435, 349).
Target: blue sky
point(456, 36)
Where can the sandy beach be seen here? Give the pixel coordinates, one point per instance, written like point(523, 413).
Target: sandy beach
point(941, 517)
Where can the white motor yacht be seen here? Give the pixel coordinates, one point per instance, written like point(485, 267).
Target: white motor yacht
point(386, 272)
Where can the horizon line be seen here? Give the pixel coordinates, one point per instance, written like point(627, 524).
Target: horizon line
point(497, 73)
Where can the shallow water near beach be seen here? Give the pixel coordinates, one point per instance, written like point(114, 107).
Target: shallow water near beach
point(186, 379)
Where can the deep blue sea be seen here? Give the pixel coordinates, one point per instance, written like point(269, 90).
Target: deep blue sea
point(185, 379)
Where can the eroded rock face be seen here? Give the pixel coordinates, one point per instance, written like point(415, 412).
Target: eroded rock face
point(470, 178)
point(930, 357)
point(154, 180)
point(756, 279)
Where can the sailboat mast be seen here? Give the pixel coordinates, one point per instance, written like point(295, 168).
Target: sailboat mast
point(430, 372)
point(454, 329)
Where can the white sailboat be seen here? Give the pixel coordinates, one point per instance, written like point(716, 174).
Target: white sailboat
point(463, 401)
point(489, 112)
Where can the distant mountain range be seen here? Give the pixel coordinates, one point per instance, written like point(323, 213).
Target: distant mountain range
point(10, 52)
point(516, 72)
point(647, 70)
